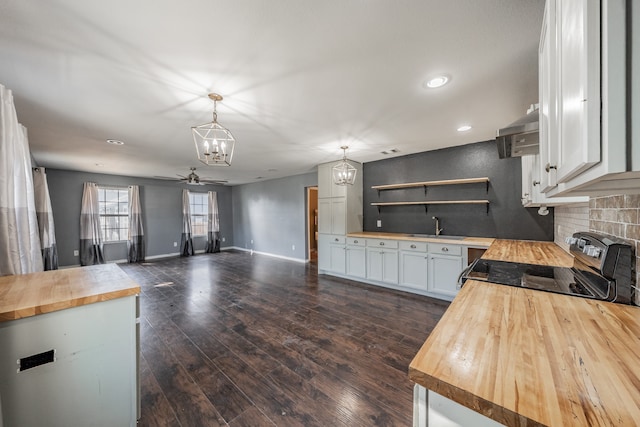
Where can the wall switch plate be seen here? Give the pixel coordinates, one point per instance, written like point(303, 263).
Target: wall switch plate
point(252, 241)
point(76, 253)
point(293, 247)
point(379, 223)
point(224, 239)
point(175, 244)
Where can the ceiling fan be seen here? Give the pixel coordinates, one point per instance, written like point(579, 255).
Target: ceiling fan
point(194, 179)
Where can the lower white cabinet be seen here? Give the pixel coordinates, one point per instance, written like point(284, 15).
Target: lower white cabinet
point(433, 410)
point(426, 268)
point(356, 258)
point(413, 270)
point(332, 249)
point(382, 260)
point(444, 270)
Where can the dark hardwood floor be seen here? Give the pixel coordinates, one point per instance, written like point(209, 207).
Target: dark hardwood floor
point(241, 340)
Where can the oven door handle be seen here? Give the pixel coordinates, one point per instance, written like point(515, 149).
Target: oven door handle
point(461, 277)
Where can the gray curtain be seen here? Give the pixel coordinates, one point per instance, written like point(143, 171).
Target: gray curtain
point(135, 243)
point(45, 220)
point(213, 224)
point(19, 235)
point(91, 246)
point(186, 242)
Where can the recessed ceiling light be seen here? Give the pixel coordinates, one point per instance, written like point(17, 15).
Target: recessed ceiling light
point(437, 81)
point(464, 128)
point(115, 142)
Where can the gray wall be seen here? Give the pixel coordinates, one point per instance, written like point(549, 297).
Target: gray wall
point(273, 214)
point(161, 211)
point(506, 218)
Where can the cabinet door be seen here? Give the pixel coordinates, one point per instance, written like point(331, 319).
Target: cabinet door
point(374, 264)
point(356, 266)
point(547, 72)
point(324, 216)
point(444, 271)
point(337, 258)
point(324, 244)
point(579, 86)
point(413, 270)
point(527, 190)
point(390, 266)
point(338, 216)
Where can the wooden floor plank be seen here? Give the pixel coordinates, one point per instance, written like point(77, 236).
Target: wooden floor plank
point(240, 340)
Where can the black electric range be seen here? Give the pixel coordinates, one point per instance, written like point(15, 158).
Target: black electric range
point(603, 270)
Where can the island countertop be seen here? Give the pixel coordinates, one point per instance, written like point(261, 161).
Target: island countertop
point(527, 357)
point(26, 295)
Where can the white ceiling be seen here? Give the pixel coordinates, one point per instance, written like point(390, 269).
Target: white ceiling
point(299, 78)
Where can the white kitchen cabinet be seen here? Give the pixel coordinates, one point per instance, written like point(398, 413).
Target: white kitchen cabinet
point(578, 86)
point(382, 260)
point(339, 213)
point(326, 187)
point(431, 409)
point(532, 196)
point(332, 216)
point(356, 258)
point(414, 264)
point(584, 145)
point(446, 262)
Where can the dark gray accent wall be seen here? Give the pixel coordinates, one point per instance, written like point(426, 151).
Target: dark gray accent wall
point(506, 218)
point(161, 212)
point(273, 214)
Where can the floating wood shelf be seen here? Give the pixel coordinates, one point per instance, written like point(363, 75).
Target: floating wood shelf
point(426, 203)
point(432, 183)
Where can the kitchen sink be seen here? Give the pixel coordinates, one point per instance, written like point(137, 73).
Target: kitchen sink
point(442, 236)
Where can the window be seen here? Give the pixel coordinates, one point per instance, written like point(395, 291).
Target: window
point(113, 206)
point(199, 206)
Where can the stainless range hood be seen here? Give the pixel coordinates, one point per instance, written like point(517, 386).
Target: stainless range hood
point(520, 138)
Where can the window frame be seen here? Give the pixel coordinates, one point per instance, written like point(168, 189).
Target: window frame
point(194, 216)
point(123, 237)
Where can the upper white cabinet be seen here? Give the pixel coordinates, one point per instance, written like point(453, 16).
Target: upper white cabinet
point(584, 116)
point(532, 196)
point(578, 86)
point(326, 187)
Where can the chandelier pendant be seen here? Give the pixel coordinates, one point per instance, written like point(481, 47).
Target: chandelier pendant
point(214, 143)
point(343, 172)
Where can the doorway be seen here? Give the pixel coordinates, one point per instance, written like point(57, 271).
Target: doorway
point(312, 223)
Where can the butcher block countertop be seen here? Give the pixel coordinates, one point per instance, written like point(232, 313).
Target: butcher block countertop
point(28, 295)
point(529, 252)
point(525, 357)
point(482, 242)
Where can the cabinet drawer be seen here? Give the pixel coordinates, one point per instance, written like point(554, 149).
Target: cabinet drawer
point(337, 239)
point(382, 243)
point(356, 241)
point(440, 248)
point(413, 246)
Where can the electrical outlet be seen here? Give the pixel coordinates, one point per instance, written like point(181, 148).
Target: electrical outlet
point(252, 241)
point(379, 223)
point(224, 239)
point(175, 244)
point(293, 247)
point(76, 253)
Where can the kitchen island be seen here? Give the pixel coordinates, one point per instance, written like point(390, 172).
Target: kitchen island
point(68, 348)
point(526, 357)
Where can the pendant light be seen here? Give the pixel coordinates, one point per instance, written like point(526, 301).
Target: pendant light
point(214, 143)
point(343, 172)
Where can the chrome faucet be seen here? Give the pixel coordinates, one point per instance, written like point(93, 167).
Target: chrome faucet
point(438, 229)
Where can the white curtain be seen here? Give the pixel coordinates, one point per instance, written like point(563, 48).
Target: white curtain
point(45, 220)
point(135, 243)
point(213, 224)
point(91, 247)
point(186, 242)
point(19, 236)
